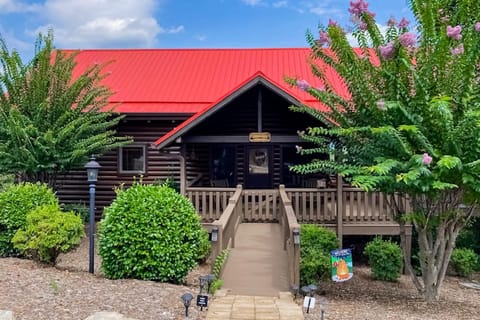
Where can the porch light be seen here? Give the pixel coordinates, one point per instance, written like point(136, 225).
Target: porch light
point(296, 236)
point(206, 281)
point(92, 167)
point(313, 289)
point(210, 278)
point(309, 300)
point(203, 283)
point(305, 290)
point(214, 234)
point(295, 289)
point(187, 299)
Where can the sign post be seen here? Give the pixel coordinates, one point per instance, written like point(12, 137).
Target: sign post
point(202, 301)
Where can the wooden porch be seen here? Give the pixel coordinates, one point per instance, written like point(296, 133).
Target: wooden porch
point(349, 211)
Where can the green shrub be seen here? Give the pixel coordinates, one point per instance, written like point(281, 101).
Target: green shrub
point(469, 237)
point(315, 246)
point(79, 208)
point(315, 267)
point(5, 181)
point(464, 261)
point(220, 261)
point(48, 232)
point(385, 259)
point(216, 284)
point(151, 232)
point(16, 201)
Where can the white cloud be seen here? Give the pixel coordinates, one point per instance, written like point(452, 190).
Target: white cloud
point(9, 6)
point(324, 11)
point(15, 43)
point(175, 30)
point(353, 41)
point(253, 2)
point(201, 37)
point(103, 23)
point(280, 4)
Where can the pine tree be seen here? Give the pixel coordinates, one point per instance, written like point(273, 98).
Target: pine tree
point(411, 121)
point(51, 120)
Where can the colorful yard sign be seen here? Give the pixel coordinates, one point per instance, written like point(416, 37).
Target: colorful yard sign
point(342, 266)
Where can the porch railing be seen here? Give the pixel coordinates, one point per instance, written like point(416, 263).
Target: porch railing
point(314, 205)
point(209, 202)
point(355, 205)
point(289, 225)
point(260, 205)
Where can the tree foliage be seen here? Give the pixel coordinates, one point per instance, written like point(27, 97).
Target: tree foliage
point(410, 122)
point(52, 116)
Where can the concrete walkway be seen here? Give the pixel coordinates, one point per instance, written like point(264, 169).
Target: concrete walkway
point(257, 266)
point(226, 307)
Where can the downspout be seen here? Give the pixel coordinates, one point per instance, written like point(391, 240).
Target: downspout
point(181, 160)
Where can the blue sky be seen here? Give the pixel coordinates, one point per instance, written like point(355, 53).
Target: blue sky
point(82, 24)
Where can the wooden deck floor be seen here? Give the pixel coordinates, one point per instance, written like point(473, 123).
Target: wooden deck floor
point(258, 264)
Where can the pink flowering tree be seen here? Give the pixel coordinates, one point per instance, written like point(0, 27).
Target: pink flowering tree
point(410, 123)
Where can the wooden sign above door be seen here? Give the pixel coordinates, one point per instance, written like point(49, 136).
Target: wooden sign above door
point(260, 137)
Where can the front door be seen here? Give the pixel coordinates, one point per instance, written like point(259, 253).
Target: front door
point(258, 167)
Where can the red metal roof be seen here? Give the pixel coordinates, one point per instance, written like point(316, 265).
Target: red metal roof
point(191, 80)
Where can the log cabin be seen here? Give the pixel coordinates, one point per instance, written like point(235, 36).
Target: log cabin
point(217, 122)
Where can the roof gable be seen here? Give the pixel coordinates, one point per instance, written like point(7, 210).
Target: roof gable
point(235, 92)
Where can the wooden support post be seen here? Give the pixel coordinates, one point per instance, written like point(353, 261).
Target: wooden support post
point(296, 264)
point(340, 210)
point(408, 246)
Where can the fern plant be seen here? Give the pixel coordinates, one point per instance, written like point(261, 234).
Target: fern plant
point(408, 121)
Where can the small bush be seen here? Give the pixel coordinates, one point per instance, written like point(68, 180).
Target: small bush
point(315, 246)
point(220, 261)
point(48, 232)
point(315, 267)
point(5, 181)
point(153, 233)
point(216, 284)
point(79, 208)
point(464, 261)
point(385, 259)
point(469, 237)
point(16, 201)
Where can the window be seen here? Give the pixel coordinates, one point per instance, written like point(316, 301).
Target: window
point(258, 161)
point(132, 159)
point(222, 165)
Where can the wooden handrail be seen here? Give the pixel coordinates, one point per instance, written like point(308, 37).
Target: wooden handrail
point(228, 223)
point(289, 225)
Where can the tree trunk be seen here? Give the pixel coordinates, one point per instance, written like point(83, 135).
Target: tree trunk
point(437, 228)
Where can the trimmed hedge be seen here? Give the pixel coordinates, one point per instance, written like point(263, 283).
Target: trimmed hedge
point(48, 232)
point(315, 246)
point(151, 232)
point(465, 261)
point(385, 259)
point(16, 201)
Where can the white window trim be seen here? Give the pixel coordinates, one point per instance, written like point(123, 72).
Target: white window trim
point(120, 159)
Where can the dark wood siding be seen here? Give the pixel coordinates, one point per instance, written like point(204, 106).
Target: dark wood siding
point(240, 116)
point(197, 164)
point(73, 187)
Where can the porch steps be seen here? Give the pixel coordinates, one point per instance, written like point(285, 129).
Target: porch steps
point(281, 307)
point(257, 266)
